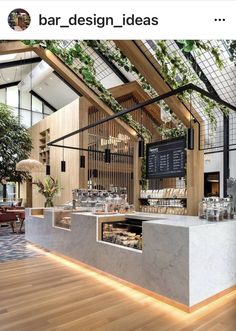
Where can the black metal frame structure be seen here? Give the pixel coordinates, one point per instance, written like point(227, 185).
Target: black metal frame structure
point(188, 87)
point(211, 89)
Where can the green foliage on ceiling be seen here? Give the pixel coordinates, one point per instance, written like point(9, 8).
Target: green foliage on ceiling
point(174, 69)
point(16, 145)
point(116, 56)
point(232, 49)
point(176, 73)
point(168, 133)
point(189, 46)
point(85, 68)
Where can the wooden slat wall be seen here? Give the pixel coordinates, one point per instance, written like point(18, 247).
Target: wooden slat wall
point(120, 171)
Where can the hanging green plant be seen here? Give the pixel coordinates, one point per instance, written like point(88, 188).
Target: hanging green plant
point(116, 56)
point(86, 69)
point(232, 49)
point(189, 46)
point(177, 74)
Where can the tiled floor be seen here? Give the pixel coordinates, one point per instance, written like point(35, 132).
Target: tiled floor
point(14, 246)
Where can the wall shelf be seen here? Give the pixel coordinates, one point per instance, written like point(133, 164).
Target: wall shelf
point(44, 151)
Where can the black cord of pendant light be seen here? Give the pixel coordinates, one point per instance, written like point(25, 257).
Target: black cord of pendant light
point(141, 144)
point(63, 162)
point(190, 132)
point(82, 157)
point(107, 155)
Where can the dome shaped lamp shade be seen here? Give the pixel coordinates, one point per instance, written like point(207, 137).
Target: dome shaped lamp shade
point(30, 165)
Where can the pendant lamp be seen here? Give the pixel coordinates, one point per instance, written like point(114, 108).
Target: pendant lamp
point(48, 169)
point(141, 143)
point(107, 156)
point(190, 132)
point(63, 162)
point(82, 157)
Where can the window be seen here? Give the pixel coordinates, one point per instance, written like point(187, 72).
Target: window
point(36, 117)
point(3, 95)
point(25, 118)
point(12, 96)
point(37, 105)
point(47, 110)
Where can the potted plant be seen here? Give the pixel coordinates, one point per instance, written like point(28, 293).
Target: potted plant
point(48, 188)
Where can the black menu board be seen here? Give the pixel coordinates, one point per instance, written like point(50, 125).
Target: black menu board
point(166, 158)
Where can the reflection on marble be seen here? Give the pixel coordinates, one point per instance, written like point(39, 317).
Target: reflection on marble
point(183, 259)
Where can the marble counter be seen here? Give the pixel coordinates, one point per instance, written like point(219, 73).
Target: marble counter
point(184, 259)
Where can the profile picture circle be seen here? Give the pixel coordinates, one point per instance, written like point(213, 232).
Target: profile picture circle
point(19, 19)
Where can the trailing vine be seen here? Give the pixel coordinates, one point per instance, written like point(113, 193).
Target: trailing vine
point(86, 70)
point(189, 46)
point(232, 49)
point(176, 73)
point(173, 68)
point(122, 61)
point(116, 56)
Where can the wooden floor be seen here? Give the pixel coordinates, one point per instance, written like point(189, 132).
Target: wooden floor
point(48, 293)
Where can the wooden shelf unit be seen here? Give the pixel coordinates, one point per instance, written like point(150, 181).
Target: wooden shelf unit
point(44, 151)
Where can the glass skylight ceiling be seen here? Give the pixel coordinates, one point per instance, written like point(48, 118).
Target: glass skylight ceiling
point(223, 81)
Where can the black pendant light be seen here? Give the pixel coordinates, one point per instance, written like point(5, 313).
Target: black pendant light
point(190, 139)
point(48, 169)
point(107, 153)
point(141, 147)
point(95, 173)
point(63, 166)
point(107, 156)
point(82, 161)
point(141, 143)
point(190, 132)
point(82, 157)
point(63, 162)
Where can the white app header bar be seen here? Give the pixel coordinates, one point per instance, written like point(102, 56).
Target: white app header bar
point(118, 20)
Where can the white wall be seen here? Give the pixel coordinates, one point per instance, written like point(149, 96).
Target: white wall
point(232, 163)
point(214, 162)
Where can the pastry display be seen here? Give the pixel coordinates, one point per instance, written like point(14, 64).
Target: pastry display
point(164, 201)
point(63, 220)
point(120, 235)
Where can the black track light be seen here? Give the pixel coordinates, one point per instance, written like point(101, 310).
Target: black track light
point(107, 156)
point(63, 166)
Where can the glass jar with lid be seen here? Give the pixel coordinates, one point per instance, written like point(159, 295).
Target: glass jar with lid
point(215, 212)
point(202, 209)
point(228, 208)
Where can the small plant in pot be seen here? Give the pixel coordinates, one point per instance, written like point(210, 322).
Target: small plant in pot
point(49, 188)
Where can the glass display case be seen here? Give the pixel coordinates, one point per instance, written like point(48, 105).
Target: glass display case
point(62, 219)
point(102, 201)
point(126, 233)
